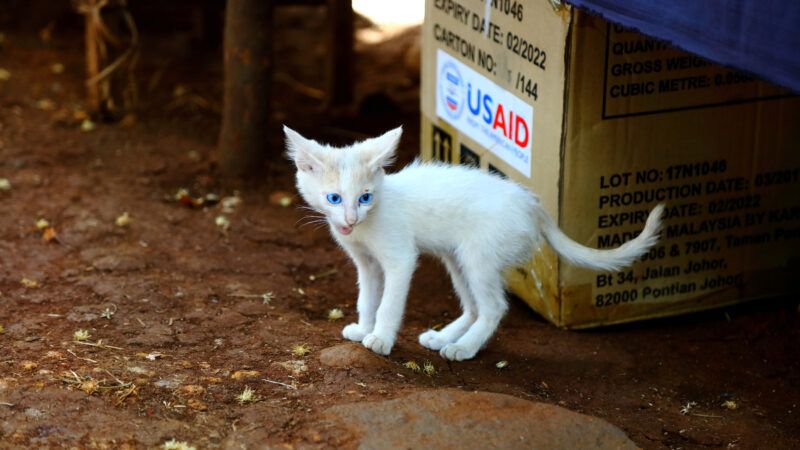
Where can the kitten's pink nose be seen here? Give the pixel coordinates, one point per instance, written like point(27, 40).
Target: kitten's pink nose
point(350, 218)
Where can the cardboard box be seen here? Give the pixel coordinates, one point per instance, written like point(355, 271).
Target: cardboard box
point(603, 123)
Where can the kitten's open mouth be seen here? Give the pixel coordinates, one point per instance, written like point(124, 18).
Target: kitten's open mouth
point(344, 229)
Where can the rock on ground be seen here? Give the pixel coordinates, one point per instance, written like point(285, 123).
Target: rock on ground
point(352, 354)
point(452, 419)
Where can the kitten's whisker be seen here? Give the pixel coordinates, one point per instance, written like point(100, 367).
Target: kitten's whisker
point(318, 226)
point(308, 208)
point(302, 219)
point(311, 218)
point(312, 221)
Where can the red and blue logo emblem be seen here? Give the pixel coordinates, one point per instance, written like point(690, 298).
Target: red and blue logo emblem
point(451, 91)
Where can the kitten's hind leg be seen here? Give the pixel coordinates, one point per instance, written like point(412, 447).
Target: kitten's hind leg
point(486, 286)
point(435, 340)
point(370, 285)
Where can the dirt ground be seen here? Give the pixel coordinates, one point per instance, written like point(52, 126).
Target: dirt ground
point(174, 306)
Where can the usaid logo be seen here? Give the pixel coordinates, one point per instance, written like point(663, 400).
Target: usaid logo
point(451, 90)
point(499, 116)
point(495, 118)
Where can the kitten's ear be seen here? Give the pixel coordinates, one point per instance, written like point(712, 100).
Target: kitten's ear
point(301, 151)
point(382, 148)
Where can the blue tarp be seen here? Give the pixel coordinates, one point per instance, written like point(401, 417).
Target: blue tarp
point(761, 37)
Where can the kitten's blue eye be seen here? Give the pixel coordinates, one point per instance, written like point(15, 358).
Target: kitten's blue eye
point(365, 199)
point(334, 199)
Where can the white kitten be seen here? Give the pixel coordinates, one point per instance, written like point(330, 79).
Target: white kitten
point(478, 224)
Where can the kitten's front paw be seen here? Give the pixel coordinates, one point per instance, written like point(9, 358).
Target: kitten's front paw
point(432, 339)
point(354, 332)
point(455, 352)
point(379, 345)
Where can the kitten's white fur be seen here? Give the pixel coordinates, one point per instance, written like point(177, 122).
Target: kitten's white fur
point(476, 223)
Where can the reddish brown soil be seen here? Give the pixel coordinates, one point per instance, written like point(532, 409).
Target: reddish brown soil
point(189, 293)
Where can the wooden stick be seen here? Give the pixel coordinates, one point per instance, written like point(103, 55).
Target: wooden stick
point(92, 58)
point(280, 384)
point(99, 344)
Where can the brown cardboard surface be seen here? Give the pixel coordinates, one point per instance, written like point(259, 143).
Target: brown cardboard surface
point(619, 115)
point(537, 284)
point(551, 38)
point(751, 137)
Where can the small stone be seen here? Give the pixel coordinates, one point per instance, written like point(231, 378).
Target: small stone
point(196, 404)
point(193, 390)
point(5, 185)
point(351, 354)
point(243, 374)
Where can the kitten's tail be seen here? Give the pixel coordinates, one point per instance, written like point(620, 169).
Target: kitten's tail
point(605, 260)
